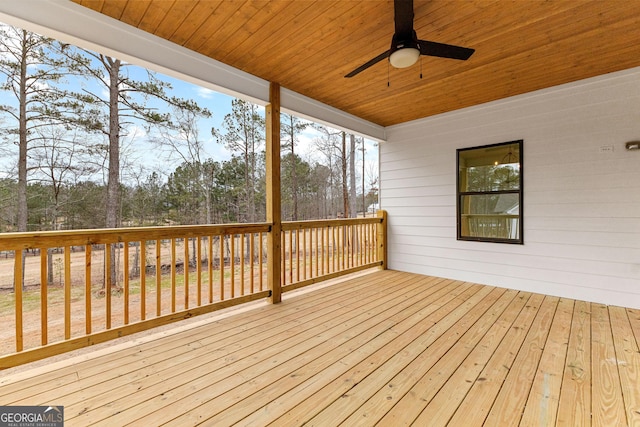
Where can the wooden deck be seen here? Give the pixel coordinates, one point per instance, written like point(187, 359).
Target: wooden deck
point(386, 348)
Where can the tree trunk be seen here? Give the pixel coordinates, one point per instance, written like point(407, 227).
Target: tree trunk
point(345, 191)
point(353, 212)
point(22, 150)
point(294, 176)
point(113, 183)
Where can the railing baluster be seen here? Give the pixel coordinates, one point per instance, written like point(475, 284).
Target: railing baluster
point(314, 251)
point(17, 288)
point(88, 256)
point(338, 244)
point(126, 283)
point(354, 243)
point(143, 279)
point(283, 257)
point(252, 258)
point(373, 253)
point(186, 272)
point(344, 232)
point(304, 254)
point(325, 250)
point(363, 243)
point(107, 285)
point(349, 246)
point(67, 292)
point(210, 266)
point(199, 269)
point(174, 268)
point(336, 249)
point(221, 267)
point(344, 246)
point(297, 247)
point(241, 241)
point(290, 256)
point(361, 228)
point(367, 242)
point(232, 265)
point(328, 250)
point(158, 279)
point(260, 238)
point(43, 297)
point(357, 241)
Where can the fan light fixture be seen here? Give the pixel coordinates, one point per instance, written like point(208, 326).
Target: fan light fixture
point(405, 57)
point(406, 48)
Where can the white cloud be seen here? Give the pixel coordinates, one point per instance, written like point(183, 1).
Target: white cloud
point(205, 93)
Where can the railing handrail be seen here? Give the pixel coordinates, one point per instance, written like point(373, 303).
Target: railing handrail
point(54, 238)
point(316, 223)
point(51, 239)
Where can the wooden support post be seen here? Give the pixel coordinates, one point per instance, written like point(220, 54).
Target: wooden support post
point(382, 239)
point(274, 211)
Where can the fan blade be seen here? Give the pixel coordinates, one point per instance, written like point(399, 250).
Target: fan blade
point(444, 50)
point(369, 64)
point(403, 18)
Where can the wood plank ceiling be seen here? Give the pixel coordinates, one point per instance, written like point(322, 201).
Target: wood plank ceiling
point(308, 46)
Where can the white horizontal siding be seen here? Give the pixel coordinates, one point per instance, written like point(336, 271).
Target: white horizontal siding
point(581, 206)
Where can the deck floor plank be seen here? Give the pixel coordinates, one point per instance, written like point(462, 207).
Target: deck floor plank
point(634, 319)
point(484, 390)
point(445, 403)
point(387, 348)
point(437, 364)
point(574, 408)
point(509, 404)
point(542, 404)
point(628, 357)
point(607, 406)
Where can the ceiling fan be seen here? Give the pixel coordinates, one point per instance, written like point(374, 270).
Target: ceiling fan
point(406, 48)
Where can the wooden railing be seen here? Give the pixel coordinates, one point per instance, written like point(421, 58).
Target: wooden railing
point(313, 251)
point(69, 289)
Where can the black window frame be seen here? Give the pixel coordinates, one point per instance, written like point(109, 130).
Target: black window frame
point(520, 191)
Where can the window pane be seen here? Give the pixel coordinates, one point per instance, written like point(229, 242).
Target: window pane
point(490, 216)
point(490, 168)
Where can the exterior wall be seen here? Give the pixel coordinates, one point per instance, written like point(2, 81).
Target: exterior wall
point(581, 205)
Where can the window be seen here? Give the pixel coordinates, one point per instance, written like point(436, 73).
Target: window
point(489, 206)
